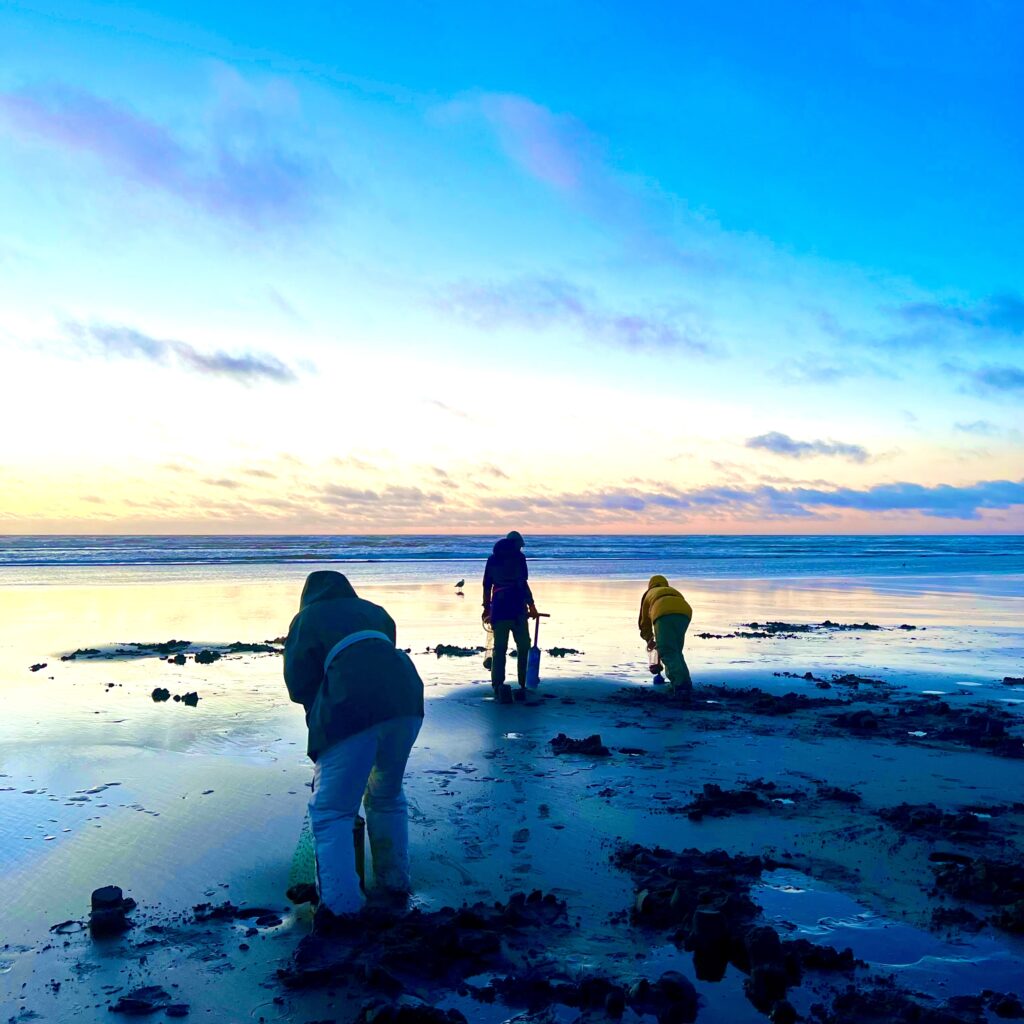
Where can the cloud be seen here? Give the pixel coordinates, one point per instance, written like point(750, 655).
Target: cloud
point(128, 343)
point(783, 444)
point(556, 149)
point(767, 478)
point(283, 305)
point(237, 171)
point(539, 303)
point(444, 407)
point(826, 368)
point(562, 153)
point(982, 428)
point(816, 370)
point(1001, 313)
point(941, 501)
point(385, 501)
point(998, 379)
point(353, 462)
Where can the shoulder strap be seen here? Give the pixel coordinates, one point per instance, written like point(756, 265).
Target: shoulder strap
point(353, 638)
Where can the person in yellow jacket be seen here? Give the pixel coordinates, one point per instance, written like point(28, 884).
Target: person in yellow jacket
point(664, 618)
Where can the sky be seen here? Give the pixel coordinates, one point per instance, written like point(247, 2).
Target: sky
point(629, 267)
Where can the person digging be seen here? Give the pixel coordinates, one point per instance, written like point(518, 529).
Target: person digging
point(664, 618)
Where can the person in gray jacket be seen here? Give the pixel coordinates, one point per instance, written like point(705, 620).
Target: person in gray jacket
point(364, 707)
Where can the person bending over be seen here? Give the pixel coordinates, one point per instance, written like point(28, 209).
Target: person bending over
point(508, 601)
point(364, 708)
point(664, 618)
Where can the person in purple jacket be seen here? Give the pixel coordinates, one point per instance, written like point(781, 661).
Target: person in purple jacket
point(508, 602)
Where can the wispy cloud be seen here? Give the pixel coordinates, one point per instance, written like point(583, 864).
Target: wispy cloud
point(128, 343)
point(980, 428)
point(386, 500)
point(556, 149)
point(539, 303)
point(816, 370)
point(1003, 313)
point(353, 462)
point(283, 305)
point(828, 368)
point(560, 151)
point(451, 410)
point(237, 171)
point(783, 444)
point(996, 379)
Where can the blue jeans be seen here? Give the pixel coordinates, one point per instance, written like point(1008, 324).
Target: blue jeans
point(366, 768)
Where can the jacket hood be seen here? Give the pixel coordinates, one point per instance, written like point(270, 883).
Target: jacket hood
point(657, 581)
point(505, 547)
point(325, 585)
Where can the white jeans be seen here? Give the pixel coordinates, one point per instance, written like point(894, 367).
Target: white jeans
point(367, 767)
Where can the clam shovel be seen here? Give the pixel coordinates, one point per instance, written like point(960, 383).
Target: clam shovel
point(533, 660)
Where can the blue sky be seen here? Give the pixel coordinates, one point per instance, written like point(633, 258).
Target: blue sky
point(669, 267)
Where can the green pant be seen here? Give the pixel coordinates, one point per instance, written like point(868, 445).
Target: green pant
point(669, 635)
point(520, 629)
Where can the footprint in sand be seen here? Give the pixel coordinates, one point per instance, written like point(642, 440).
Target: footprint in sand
point(519, 840)
point(465, 877)
point(472, 850)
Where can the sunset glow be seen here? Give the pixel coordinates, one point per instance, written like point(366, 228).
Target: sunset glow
point(415, 271)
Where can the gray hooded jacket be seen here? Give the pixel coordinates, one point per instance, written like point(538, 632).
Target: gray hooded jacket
point(367, 683)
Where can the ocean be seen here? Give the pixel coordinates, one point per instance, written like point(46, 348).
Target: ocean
point(421, 557)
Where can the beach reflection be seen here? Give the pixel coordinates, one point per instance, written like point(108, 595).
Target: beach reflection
point(969, 637)
point(176, 804)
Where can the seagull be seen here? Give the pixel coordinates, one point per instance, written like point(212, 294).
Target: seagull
point(460, 584)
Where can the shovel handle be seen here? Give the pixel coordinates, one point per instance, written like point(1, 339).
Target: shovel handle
point(536, 625)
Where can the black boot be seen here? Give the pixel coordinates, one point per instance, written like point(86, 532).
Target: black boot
point(327, 924)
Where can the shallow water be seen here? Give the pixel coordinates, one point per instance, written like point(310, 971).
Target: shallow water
point(66, 719)
point(213, 796)
point(805, 907)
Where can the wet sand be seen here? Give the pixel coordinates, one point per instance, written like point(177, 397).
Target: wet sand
point(183, 805)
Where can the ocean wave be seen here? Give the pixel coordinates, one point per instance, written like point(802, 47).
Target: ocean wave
point(695, 555)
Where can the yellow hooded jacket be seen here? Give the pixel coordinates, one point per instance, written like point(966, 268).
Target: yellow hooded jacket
point(660, 599)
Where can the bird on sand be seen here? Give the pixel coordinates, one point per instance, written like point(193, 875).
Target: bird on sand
point(460, 584)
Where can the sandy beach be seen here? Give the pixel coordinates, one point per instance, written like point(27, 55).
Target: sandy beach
point(185, 805)
point(654, 323)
